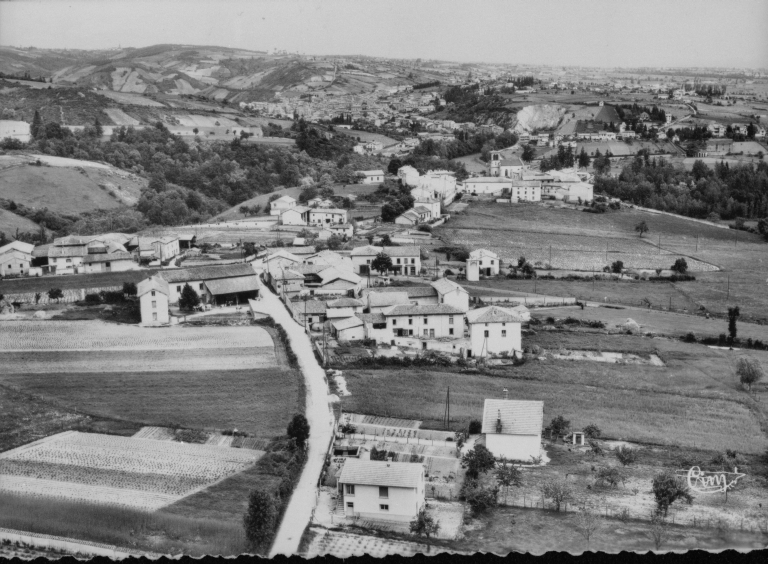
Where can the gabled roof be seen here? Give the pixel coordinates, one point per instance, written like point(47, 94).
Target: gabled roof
point(431, 309)
point(371, 172)
point(155, 282)
point(492, 314)
point(287, 274)
point(384, 299)
point(512, 160)
point(380, 473)
point(312, 306)
point(518, 417)
point(445, 286)
point(372, 317)
point(70, 240)
point(330, 274)
point(17, 246)
point(347, 323)
point(345, 302)
point(402, 251)
point(483, 253)
point(282, 255)
point(412, 291)
point(488, 180)
point(328, 210)
point(295, 209)
point(233, 285)
point(284, 199)
point(207, 273)
point(366, 251)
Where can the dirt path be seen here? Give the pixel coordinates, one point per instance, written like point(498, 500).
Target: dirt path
point(320, 418)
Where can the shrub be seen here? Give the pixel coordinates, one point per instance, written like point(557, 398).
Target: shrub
point(559, 425)
point(667, 489)
point(626, 455)
point(479, 498)
point(610, 476)
point(298, 429)
point(92, 299)
point(260, 520)
point(558, 491)
point(475, 427)
point(129, 288)
point(424, 524)
point(689, 337)
point(477, 461)
point(112, 297)
point(592, 431)
point(55, 294)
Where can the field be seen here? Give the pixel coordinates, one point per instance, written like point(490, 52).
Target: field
point(12, 286)
point(139, 473)
point(728, 264)
point(130, 99)
point(10, 222)
point(366, 136)
point(694, 400)
point(119, 117)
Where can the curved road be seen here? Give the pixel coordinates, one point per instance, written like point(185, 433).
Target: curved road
point(320, 418)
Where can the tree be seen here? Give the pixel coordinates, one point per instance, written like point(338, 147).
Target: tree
point(129, 288)
point(424, 524)
point(584, 159)
point(667, 489)
point(394, 166)
point(245, 210)
point(610, 476)
point(733, 315)
point(659, 531)
point(249, 248)
point(195, 131)
point(749, 372)
point(382, 263)
point(478, 460)
point(98, 130)
point(260, 519)
point(642, 228)
point(680, 266)
point(587, 524)
point(528, 153)
point(189, 298)
point(626, 455)
point(559, 425)
point(298, 429)
point(334, 242)
point(508, 475)
point(55, 294)
point(617, 267)
point(592, 431)
point(480, 498)
point(38, 127)
point(558, 491)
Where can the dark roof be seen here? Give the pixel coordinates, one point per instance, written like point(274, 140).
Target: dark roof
point(233, 285)
point(207, 273)
point(431, 309)
point(412, 291)
point(372, 317)
point(607, 114)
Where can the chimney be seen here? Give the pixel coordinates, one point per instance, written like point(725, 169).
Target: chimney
point(506, 394)
point(498, 423)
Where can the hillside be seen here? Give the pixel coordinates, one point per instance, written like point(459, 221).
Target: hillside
point(10, 222)
point(66, 186)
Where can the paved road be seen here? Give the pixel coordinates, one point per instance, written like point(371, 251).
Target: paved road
point(320, 419)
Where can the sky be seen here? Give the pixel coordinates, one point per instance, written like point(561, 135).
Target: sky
point(596, 33)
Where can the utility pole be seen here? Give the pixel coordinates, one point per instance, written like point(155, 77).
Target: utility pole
point(728, 291)
point(670, 303)
point(550, 254)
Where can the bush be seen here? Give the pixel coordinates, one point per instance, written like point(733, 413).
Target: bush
point(626, 455)
point(689, 337)
point(112, 297)
point(260, 520)
point(610, 476)
point(558, 491)
point(129, 288)
point(667, 489)
point(479, 498)
point(475, 427)
point(92, 299)
point(298, 429)
point(592, 431)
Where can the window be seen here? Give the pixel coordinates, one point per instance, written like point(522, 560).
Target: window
point(384, 491)
point(450, 331)
point(503, 324)
point(486, 333)
point(384, 507)
point(398, 261)
point(450, 320)
point(410, 321)
point(153, 293)
point(413, 261)
point(154, 316)
point(503, 333)
point(426, 332)
point(69, 260)
point(350, 505)
point(178, 288)
point(109, 264)
point(493, 262)
point(349, 489)
point(426, 321)
point(394, 322)
point(201, 285)
point(154, 304)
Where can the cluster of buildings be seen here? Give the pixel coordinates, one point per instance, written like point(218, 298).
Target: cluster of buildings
point(317, 212)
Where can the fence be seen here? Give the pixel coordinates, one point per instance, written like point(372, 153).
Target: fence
point(70, 546)
point(70, 296)
point(403, 440)
point(540, 301)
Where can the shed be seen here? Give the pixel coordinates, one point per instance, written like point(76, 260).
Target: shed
point(512, 428)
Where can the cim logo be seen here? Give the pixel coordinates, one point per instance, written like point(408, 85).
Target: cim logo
point(710, 482)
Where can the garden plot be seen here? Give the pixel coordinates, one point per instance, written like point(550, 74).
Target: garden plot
point(135, 472)
point(344, 545)
point(119, 117)
point(192, 120)
point(356, 418)
point(96, 335)
point(131, 99)
point(610, 357)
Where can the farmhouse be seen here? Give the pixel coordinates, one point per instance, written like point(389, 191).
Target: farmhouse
point(408, 176)
point(283, 203)
point(15, 258)
point(452, 294)
point(155, 248)
point(429, 321)
point(525, 191)
point(66, 254)
point(405, 260)
point(482, 263)
point(296, 215)
point(153, 296)
point(485, 185)
point(370, 176)
point(118, 261)
point(381, 490)
point(376, 302)
point(348, 329)
point(327, 216)
point(308, 312)
point(512, 428)
point(494, 330)
point(417, 295)
point(414, 216)
point(217, 284)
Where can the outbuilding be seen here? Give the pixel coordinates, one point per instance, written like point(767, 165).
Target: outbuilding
point(512, 428)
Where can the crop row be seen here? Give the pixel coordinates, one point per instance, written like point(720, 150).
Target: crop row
point(97, 335)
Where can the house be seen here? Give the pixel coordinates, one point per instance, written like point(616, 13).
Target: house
point(485, 185)
point(334, 281)
point(377, 302)
point(153, 294)
point(279, 259)
point(217, 284)
point(405, 260)
point(16, 130)
point(109, 262)
point(375, 325)
point(370, 176)
point(15, 258)
point(66, 254)
point(342, 308)
point(482, 263)
point(308, 312)
point(428, 321)
point(494, 330)
point(451, 293)
point(348, 329)
point(509, 167)
point(278, 206)
point(441, 184)
point(413, 216)
point(154, 248)
point(512, 428)
point(417, 295)
point(525, 191)
point(381, 490)
point(286, 281)
point(429, 202)
point(342, 229)
point(296, 215)
point(327, 216)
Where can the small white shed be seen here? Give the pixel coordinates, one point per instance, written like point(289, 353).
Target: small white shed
point(512, 428)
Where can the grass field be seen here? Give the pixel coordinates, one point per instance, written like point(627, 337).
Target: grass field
point(694, 400)
point(11, 286)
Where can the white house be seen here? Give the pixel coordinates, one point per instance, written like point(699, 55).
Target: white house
point(405, 260)
point(486, 185)
point(348, 329)
point(432, 204)
point(441, 183)
point(482, 262)
point(207, 282)
point(429, 321)
point(494, 330)
point(414, 216)
point(296, 215)
point(109, 262)
point(15, 258)
point(66, 254)
point(371, 176)
point(451, 293)
point(342, 229)
point(153, 294)
point(327, 216)
point(377, 302)
point(342, 308)
point(381, 490)
point(525, 191)
point(281, 204)
point(509, 167)
point(512, 428)
point(408, 176)
point(15, 129)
